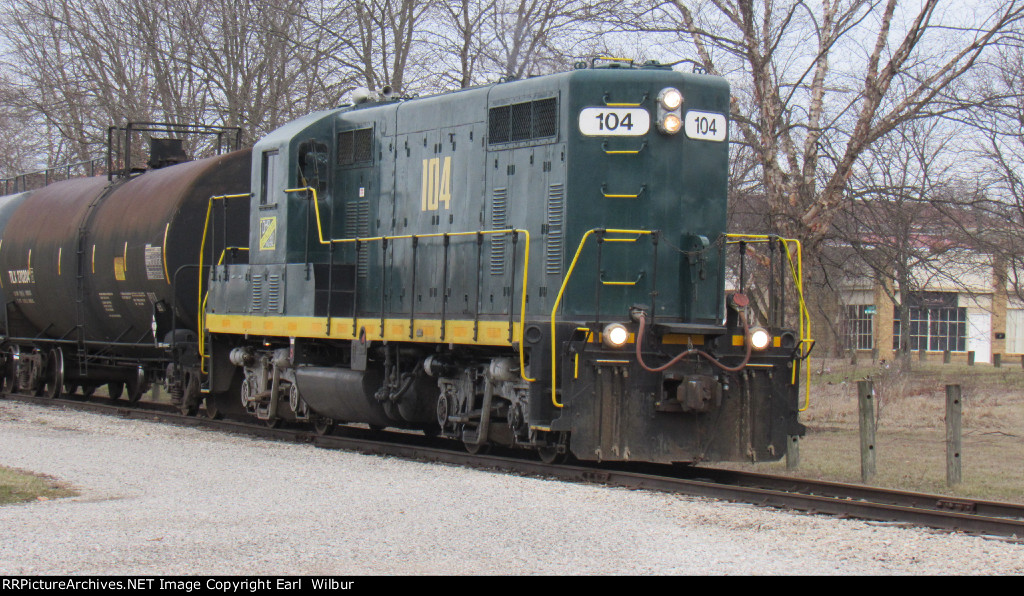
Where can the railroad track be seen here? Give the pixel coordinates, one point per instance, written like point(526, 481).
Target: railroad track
point(987, 518)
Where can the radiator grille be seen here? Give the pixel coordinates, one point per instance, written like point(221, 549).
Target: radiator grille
point(355, 147)
point(523, 121)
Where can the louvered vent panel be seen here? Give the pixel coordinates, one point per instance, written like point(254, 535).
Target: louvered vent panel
point(274, 294)
point(556, 230)
point(357, 225)
point(499, 221)
point(257, 293)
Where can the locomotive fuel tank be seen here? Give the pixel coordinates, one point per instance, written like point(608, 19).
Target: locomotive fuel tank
point(102, 256)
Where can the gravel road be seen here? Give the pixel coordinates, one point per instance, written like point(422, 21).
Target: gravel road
point(158, 499)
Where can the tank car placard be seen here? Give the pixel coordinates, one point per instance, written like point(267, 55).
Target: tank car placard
point(617, 122)
point(154, 262)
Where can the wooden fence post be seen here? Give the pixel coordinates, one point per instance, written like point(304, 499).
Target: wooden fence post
point(970, 358)
point(954, 406)
point(793, 452)
point(866, 402)
point(997, 360)
point(947, 357)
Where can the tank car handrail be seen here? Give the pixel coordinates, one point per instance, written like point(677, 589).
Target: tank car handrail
point(797, 273)
point(565, 283)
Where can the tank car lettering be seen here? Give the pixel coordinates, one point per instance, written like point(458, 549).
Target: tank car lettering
point(436, 188)
point(623, 122)
point(154, 262)
point(107, 300)
point(23, 297)
point(21, 276)
point(119, 268)
point(139, 299)
point(268, 233)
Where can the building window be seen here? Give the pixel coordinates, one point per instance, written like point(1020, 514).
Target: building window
point(935, 329)
point(1014, 331)
point(858, 327)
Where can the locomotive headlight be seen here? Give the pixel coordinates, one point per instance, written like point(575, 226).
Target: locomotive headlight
point(670, 98)
point(615, 335)
point(670, 124)
point(759, 338)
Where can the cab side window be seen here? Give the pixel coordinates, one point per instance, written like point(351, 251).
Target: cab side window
point(313, 160)
point(269, 182)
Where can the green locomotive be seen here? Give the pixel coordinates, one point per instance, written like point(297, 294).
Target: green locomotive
point(537, 263)
point(481, 264)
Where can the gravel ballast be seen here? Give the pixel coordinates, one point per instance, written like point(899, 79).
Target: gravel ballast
point(160, 499)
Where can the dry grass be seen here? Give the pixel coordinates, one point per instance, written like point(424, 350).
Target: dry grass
point(17, 486)
point(910, 437)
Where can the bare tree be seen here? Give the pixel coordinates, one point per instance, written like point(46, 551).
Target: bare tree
point(999, 154)
point(817, 84)
point(904, 225)
point(374, 43)
point(20, 148)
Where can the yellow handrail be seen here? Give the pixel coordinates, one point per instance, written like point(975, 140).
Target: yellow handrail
point(202, 249)
point(322, 240)
point(525, 264)
point(797, 272)
point(561, 291)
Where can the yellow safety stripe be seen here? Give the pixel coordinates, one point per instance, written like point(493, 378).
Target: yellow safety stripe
point(489, 333)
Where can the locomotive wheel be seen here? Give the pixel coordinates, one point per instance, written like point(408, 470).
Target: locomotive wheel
point(226, 404)
point(70, 389)
point(323, 426)
point(88, 391)
point(474, 449)
point(210, 407)
point(115, 390)
point(550, 455)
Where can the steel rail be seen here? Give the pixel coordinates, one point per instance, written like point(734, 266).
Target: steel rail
point(845, 500)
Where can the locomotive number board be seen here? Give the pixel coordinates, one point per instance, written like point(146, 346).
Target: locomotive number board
point(615, 122)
